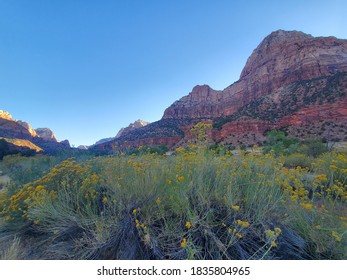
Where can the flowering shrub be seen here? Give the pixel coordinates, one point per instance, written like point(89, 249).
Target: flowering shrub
point(194, 204)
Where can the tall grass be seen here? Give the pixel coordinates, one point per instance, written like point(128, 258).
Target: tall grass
point(190, 205)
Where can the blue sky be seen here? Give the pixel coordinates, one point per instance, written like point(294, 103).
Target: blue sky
point(87, 68)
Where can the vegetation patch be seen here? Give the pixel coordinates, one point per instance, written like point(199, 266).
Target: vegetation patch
point(197, 203)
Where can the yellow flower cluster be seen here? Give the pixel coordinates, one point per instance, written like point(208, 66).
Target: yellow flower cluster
point(184, 243)
point(336, 236)
point(188, 224)
point(271, 236)
point(243, 224)
point(321, 177)
point(235, 207)
point(307, 206)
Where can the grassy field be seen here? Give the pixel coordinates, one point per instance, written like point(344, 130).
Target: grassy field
point(193, 204)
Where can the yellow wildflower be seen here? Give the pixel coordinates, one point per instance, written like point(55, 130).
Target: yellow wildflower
point(239, 235)
point(273, 244)
point(104, 200)
point(277, 231)
point(242, 223)
point(188, 224)
point(322, 177)
point(270, 234)
point(158, 201)
point(184, 242)
point(134, 211)
point(307, 206)
point(336, 236)
point(235, 207)
point(39, 188)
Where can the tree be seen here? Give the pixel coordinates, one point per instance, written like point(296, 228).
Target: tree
point(200, 131)
point(4, 148)
point(279, 143)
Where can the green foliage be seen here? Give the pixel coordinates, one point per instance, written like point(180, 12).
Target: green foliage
point(221, 149)
point(312, 147)
point(278, 143)
point(23, 170)
point(295, 160)
point(141, 150)
point(4, 149)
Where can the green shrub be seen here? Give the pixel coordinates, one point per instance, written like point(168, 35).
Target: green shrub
point(295, 160)
point(278, 143)
point(312, 148)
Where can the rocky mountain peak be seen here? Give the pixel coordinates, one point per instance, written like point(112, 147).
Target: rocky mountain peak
point(292, 81)
point(281, 36)
point(46, 134)
point(124, 130)
point(28, 127)
point(137, 124)
point(22, 131)
point(296, 53)
point(5, 115)
point(201, 93)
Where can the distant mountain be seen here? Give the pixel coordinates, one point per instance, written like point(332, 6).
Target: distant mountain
point(20, 134)
point(104, 140)
point(292, 81)
point(124, 130)
point(135, 125)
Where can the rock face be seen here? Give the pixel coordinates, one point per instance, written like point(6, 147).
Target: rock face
point(292, 81)
point(19, 130)
point(82, 147)
point(281, 58)
point(46, 134)
point(28, 127)
point(104, 140)
point(124, 131)
point(5, 115)
point(137, 124)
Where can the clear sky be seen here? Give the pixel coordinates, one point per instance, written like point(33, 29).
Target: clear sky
point(87, 68)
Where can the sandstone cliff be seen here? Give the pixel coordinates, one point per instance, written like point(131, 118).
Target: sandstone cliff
point(22, 132)
point(5, 115)
point(123, 131)
point(281, 58)
point(291, 81)
point(46, 134)
point(137, 124)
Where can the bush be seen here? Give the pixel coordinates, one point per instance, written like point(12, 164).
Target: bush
point(4, 149)
point(312, 148)
point(278, 143)
point(295, 160)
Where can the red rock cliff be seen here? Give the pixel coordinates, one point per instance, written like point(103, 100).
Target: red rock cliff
point(291, 81)
point(281, 58)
